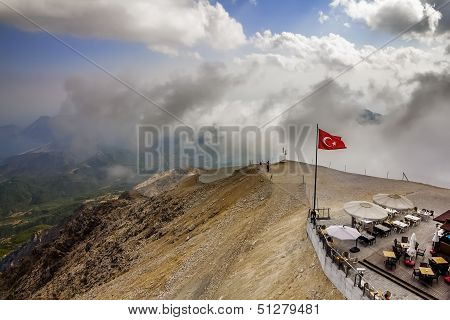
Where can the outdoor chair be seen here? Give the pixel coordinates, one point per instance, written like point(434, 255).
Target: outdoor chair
point(365, 287)
point(443, 271)
point(426, 279)
point(369, 292)
point(431, 263)
point(438, 268)
point(346, 255)
point(340, 263)
point(424, 265)
point(322, 239)
point(373, 233)
point(391, 263)
point(328, 250)
point(317, 229)
point(354, 260)
point(334, 257)
point(362, 239)
point(405, 240)
point(406, 256)
point(420, 253)
point(435, 277)
point(416, 273)
point(397, 252)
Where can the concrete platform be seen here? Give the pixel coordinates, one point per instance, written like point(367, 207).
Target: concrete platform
point(403, 275)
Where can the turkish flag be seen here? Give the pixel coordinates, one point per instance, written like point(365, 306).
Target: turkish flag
point(330, 142)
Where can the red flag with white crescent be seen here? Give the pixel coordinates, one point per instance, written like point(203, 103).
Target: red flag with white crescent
point(329, 142)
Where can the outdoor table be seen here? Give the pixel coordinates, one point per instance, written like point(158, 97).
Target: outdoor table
point(426, 274)
point(400, 224)
point(425, 215)
point(383, 229)
point(391, 212)
point(404, 245)
point(391, 259)
point(426, 271)
point(440, 264)
point(389, 254)
point(366, 238)
point(412, 218)
point(439, 260)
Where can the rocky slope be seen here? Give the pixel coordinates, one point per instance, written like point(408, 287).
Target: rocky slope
point(241, 237)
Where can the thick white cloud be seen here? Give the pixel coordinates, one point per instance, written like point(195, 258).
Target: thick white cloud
point(298, 52)
point(392, 15)
point(276, 70)
point(293, 63)
point(332, 49)
point(163, 25)
point(257, 87)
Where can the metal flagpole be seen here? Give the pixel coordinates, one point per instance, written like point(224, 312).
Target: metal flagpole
point(315, 173)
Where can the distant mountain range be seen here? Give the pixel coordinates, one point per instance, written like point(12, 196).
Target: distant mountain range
point(42, 181)
point(14, 140)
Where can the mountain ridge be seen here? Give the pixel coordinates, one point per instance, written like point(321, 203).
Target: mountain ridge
point(239, 237)
point(193, 240)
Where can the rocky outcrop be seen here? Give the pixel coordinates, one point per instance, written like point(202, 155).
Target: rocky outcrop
point(97, 244)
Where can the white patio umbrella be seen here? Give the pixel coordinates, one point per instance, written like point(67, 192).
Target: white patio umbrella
point(412, 246)
point(394, 201)
point(365, 210)
point(344, 233)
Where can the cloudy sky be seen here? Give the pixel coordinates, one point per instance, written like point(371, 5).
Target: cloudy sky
point(375, 72)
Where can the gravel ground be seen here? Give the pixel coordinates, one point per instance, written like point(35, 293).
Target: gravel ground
point(243, 238)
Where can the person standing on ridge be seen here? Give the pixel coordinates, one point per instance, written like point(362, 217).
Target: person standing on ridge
point(313, 217)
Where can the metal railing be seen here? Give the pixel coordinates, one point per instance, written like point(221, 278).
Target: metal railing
point(322, 213)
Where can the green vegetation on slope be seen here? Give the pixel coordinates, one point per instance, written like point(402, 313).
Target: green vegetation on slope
point(40, 189)
point(19, 225)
